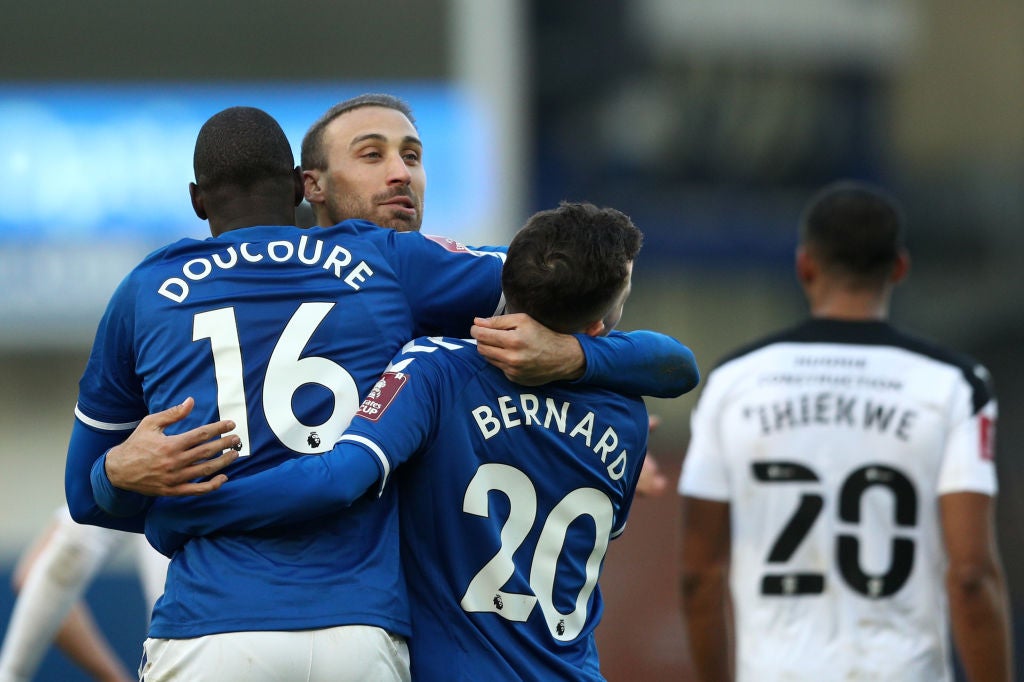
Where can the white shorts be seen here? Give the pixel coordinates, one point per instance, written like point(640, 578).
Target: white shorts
point(348, 653)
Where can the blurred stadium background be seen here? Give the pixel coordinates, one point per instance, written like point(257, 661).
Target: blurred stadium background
point(709, 123)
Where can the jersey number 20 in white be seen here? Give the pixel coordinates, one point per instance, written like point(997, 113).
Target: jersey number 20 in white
point(484, 593)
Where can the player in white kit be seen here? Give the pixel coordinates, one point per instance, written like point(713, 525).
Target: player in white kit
point(838, 490)
point(53, 575)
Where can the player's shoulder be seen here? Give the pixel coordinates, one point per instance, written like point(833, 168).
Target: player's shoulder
point(443, 350)
point(362, 228)
point(975, 374)
point(389, 240)
point(355, 233)
point(455, 246)
point(860, 334)
point(382, 236)
point(751, 351)
point(155, 263)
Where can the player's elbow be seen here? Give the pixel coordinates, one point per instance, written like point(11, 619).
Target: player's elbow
point(80, 502)
point(969, 580)
point(687, 376)
point(79, 513)
point(697, 582)
point(678, 379)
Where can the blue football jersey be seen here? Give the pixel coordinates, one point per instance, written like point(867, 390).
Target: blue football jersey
point(282, 330)
point(506, 509)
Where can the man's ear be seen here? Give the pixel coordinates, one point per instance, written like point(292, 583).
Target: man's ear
point(312, 189)
point(594, 328)
point(805, 266)
point(901, 268)
point(299, 188)
point(196, 196)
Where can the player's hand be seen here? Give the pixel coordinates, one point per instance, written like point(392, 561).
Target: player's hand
point(652, 482)
point(526, 351)
point(152, 463)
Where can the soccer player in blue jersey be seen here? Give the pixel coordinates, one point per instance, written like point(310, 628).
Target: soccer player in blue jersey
point(363, 158)
point(509, 494)
point(277, 331)
point(280, 330)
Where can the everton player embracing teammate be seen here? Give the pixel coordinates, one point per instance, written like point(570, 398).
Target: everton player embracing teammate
point(277, 332)
point(509, 494)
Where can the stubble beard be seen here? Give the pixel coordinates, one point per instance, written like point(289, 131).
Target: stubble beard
point(352, 208)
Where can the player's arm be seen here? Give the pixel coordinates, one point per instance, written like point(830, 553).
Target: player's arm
point(704, 587)
point(297, 490)
point(109, 393)
point(976, 587)
point(86, 447)
point(444, 281)
point(397, 417)
point(967, 488)
point(110, 403)
point(150, 462)
point(109, 479)
point(639, 363)
point(636, 363)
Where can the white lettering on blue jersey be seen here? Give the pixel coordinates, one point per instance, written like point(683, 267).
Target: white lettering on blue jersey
point(491, 421)
point(177, 289)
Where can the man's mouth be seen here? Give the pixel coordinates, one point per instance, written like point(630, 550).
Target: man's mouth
point(401, 202)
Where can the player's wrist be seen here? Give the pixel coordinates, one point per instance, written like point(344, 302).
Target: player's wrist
point(112, 469)
point(575, 360)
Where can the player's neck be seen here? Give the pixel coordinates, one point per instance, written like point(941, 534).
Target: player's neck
point(220, 226)
point(846, 305)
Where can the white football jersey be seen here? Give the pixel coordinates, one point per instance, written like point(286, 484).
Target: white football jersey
point(832, 442)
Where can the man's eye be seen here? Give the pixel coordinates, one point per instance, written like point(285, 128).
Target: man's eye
point(411, 157)
point(371, 155)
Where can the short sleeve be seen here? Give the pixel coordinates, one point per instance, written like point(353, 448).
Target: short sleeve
point(968, 463)
point(704, 472)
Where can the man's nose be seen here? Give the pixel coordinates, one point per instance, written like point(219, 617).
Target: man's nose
point(398, 172)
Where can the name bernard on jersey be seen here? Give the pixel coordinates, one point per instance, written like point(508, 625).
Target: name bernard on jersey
point(525, 410)
point(307, 252)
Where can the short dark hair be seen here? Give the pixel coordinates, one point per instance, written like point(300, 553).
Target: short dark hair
point(854, 229)
point(567, 266)
point(240, 147)
point(313, 154)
